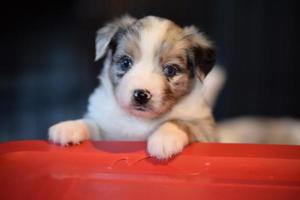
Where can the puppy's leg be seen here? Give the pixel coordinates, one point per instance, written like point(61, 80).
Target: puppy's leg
point(167, 140)
point(73, 131)
point(171, 137)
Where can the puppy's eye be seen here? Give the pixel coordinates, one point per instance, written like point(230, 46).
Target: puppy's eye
point(125, 63)
point(170, 70)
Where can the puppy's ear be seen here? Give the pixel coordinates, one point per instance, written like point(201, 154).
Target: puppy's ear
point(105, 35)
point(202, 52)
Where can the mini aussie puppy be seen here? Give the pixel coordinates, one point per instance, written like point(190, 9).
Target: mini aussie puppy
point(151, 88)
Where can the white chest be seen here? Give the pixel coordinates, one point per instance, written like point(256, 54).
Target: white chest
point(113, 122)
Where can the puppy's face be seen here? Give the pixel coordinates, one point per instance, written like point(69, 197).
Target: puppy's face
point(154, 63)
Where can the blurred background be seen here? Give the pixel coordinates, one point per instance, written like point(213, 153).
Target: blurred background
point(47, 51)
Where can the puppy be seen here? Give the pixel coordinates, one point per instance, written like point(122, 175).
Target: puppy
point(150, 88)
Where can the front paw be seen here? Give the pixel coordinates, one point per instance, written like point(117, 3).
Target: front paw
point(167, 141)
point(68, 132)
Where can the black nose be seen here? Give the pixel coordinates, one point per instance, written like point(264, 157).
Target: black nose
point(141, 96)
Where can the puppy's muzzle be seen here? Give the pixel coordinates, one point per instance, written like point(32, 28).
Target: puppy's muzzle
point(141, 97)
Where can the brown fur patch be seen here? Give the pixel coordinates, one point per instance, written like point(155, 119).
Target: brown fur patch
point(186, 127)
point(181, 125)
point(132, 49)
point(198, 130)
point(173, 50)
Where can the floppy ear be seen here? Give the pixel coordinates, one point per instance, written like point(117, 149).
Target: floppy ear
point(203, 52)
point(105, 35)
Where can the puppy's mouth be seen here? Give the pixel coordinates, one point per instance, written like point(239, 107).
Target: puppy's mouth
point(140, 108)
point(141, 111)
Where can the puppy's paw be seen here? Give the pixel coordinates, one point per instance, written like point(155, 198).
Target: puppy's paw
point(68, 132)
point(167, 141)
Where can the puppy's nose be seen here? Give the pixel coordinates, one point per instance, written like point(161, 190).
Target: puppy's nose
point(141, 96)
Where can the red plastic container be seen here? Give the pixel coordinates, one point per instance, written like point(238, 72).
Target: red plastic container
point(123, 170)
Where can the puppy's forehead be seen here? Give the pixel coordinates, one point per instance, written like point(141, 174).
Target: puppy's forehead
point(150, 35)
point(158, 33)
point(153, 34)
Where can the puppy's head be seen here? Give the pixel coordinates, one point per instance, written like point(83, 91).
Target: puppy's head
point(154, 62)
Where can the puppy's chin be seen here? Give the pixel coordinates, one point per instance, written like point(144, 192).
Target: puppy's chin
point(141, 112)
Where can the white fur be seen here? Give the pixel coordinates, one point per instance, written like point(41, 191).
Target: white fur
point(140, 77)
point(69, 132)
point(167, 141)
point(115, 123)
point(151, 38)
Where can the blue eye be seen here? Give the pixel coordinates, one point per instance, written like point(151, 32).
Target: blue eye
point(170, 70)
point(125, 63)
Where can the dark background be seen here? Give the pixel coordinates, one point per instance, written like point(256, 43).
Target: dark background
point(47, 50)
